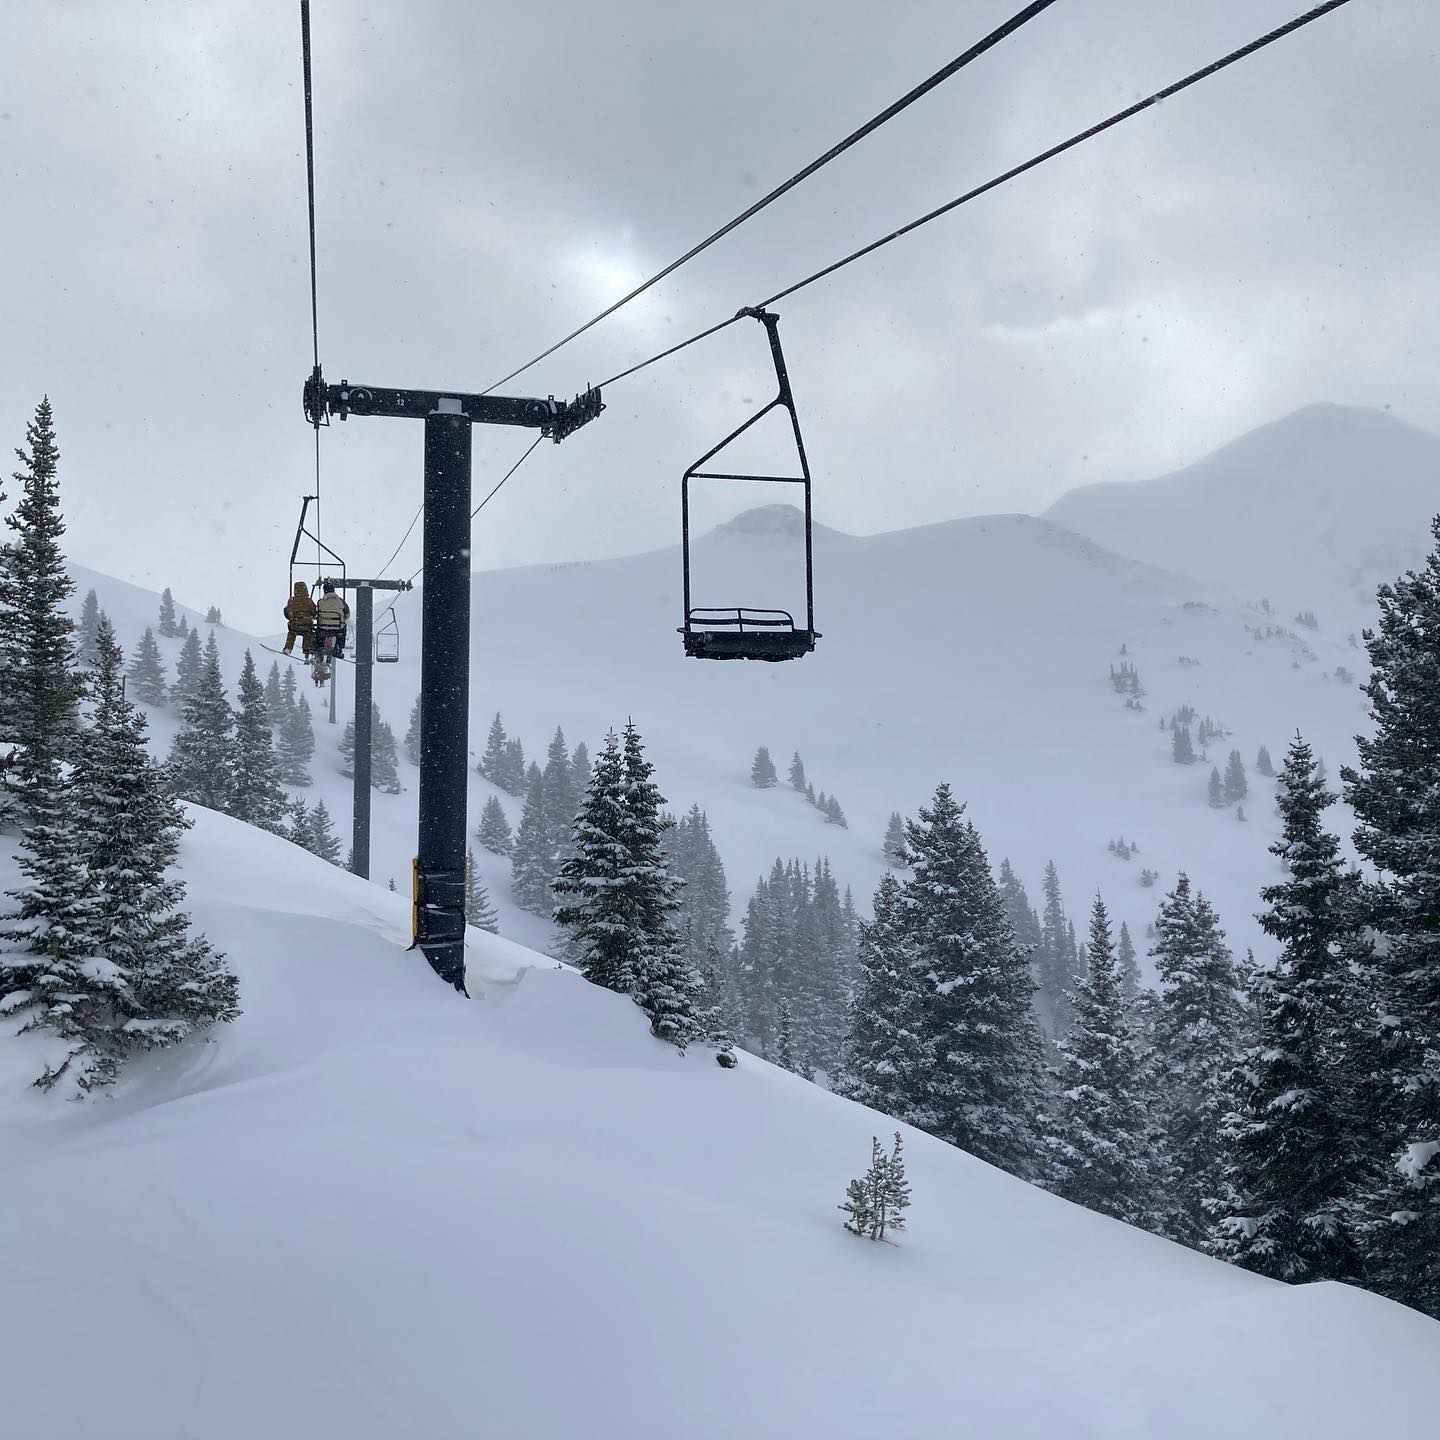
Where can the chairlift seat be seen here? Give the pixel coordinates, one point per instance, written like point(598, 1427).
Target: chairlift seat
point(742, 634)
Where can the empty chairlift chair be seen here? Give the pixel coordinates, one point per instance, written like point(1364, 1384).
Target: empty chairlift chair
point(741, 632)
point(387, 640)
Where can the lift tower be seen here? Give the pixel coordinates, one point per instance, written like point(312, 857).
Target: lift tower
point(364, 650)
point(439, 881)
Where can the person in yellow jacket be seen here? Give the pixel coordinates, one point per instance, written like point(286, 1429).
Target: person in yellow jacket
point(300, 612)
point(332, 618)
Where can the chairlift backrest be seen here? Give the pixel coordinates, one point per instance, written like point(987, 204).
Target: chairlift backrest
point(387, 641)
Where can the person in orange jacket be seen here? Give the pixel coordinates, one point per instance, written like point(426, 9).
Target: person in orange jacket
point(300, 613)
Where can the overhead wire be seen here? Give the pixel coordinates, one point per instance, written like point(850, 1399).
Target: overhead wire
point(1194, 78)
point(314, 287)
point(1009, 27)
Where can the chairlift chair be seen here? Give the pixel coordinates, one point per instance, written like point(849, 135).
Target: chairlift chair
point(387, 641)
point(742, 632)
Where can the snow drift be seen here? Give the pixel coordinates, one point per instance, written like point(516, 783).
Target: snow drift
point(370, 1208)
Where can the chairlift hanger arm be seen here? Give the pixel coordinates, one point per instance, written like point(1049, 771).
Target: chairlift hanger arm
point(552, 417)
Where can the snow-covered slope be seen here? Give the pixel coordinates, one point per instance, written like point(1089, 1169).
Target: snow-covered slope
point(372, 1209)
point(976, 652)
point(1312, 511)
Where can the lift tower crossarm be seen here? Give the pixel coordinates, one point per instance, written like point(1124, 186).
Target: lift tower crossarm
point(552, 417)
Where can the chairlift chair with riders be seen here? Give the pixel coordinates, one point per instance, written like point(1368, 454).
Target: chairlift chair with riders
point(743, 632)
point(323, 658)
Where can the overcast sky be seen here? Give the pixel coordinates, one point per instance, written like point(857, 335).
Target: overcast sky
point(489, 175)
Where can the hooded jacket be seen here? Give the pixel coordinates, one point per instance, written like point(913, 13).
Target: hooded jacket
point(300, 608)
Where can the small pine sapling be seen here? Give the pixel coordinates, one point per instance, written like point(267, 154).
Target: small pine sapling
point(877, 1202)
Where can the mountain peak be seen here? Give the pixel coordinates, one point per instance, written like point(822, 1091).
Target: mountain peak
point(785, 521)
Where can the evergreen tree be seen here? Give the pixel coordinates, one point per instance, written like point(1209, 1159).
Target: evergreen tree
point(494, 833)
point(561, 801)
point(168, 627)
point(886, 1065)
point(877, 1202)
point(704, 914)
point(1096, 1133)
point(188, 670)
point(797, 773)
point(385, 758)
point(89, 629)
point(296, 744)
point(982, 1090)
point(212, 616)
point(479, 912)
point(515, 778)
point(274, 699)
point(255, 793)
point(1395, 794)
point(1023, 919)
point(1216, 792)
point(1196, 1034)
point(1294, 1152)
point(1236, 787)
point(147, 671)
point(287, 688)
point(530, 872)
point(718, 1019)
point(108, 963)
point(200, 759)
point(298, 827)
point(893, 846)
point(320, 836)
point(786, 1051)
point(1263, 764)
point(38, 692)
point(492, 762)
point(834, 815)
point(1129, 966)
point(1182, 749)
point(579, 772)
point(183, 628)
point(1055, 960)
point(762, 770)
point(412, 735)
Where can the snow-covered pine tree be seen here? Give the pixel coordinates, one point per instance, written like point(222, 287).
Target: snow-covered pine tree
point(38, 691)
point(188, 669)
point(1264, 765)
point(515, 778)
point(412, 735)
point(492, 758)
point(88, 629)
point(1395, 794)
point(1095, 1132)
point(579, 771)
point(212, 616)
point(479, 912)
point(893, 846)
point(762, 770)
point(296, 745)
point(786, 1049)
point(797, 773)
point(877, 1202)
point(274, 700)
point(128, 830)
point(287, 688)
point(1182, 748)
point(147, 672)
point(1021, 915)
point(704, 915)
point(255, 793)
point(530, 859)
point(298, 823)
point(984, 1080)
point(1216, 792)
point(718, 1018)
point(1053, 967)
point(494, 832)
point(199, 767)
point(1129, 966)
point(666, 986)
point(183, 627)
point(1236, 788)
point(320, 836)
point(810, 792)
point(885, 1066)
point(1295, 1151)
point(834, 815)
point(168, 627)
point(385, 758)
point(347, 749)
point(561, 801)
point(1196, 1037)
